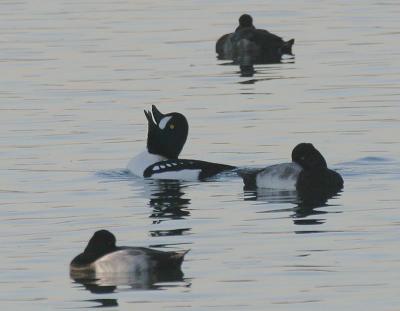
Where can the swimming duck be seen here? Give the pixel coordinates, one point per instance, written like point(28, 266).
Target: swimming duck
point(308, 172)
point(251, 45)
point(102, 256)
point(167, 134)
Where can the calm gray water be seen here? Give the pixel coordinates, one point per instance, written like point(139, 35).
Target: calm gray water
point(75, 78)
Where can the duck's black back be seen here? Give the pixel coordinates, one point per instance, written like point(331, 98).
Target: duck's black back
point(269, 45)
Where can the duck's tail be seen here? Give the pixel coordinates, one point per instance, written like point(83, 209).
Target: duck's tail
point(178, 256)
point(168, 261)
point(287, 47)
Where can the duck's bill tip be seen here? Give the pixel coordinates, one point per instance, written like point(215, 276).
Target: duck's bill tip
point(157, 115)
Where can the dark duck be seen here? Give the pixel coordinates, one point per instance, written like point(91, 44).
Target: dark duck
point(307, 173)
point(167, 134)
point(249, 45)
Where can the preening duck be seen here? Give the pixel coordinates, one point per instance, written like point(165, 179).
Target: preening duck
point(251, 45)
point(308, 172)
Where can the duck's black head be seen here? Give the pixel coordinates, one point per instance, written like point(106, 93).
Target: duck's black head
point(101, 243)
point(308, 157)
point(246, 21)
point(167, 133)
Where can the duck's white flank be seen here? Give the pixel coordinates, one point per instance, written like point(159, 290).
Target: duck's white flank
point(123, 261)
point(143, 160)
point(186, 175)
point(280, 176)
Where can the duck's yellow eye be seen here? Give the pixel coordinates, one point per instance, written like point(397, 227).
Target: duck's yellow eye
point(171, 126)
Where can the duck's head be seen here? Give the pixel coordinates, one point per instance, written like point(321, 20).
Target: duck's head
point(308, 157)
point(246, 21)
point(102, 242)
point(167, 133)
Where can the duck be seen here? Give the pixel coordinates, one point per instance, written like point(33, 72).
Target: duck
point(167, 134)
point(307, 173)
point(249, 44)
point(102, 257)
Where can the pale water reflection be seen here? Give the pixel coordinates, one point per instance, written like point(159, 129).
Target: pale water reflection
point(109, 283)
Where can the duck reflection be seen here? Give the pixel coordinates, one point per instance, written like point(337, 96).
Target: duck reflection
point(109, 283)
point(248, 68)
point(167, 200)
point(103, 303)
point(309, 204)
point(306, 204)
point(245, 69)
point(172, 232)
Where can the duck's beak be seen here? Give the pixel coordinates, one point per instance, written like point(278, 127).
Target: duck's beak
point(149, 118)
point(157, 115)
point(154, 116)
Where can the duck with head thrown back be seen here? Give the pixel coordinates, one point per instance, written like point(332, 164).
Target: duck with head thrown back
point(167, 134)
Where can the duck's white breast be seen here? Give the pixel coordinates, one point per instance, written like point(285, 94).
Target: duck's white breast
point(143, 160)
point(280, 176)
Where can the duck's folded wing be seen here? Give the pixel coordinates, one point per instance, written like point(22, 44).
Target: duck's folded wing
point(249, 177)
point(221, 42)
point(185, 169)
point(279, 176)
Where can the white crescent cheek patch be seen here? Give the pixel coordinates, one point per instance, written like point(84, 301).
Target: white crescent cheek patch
point(164, 122)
